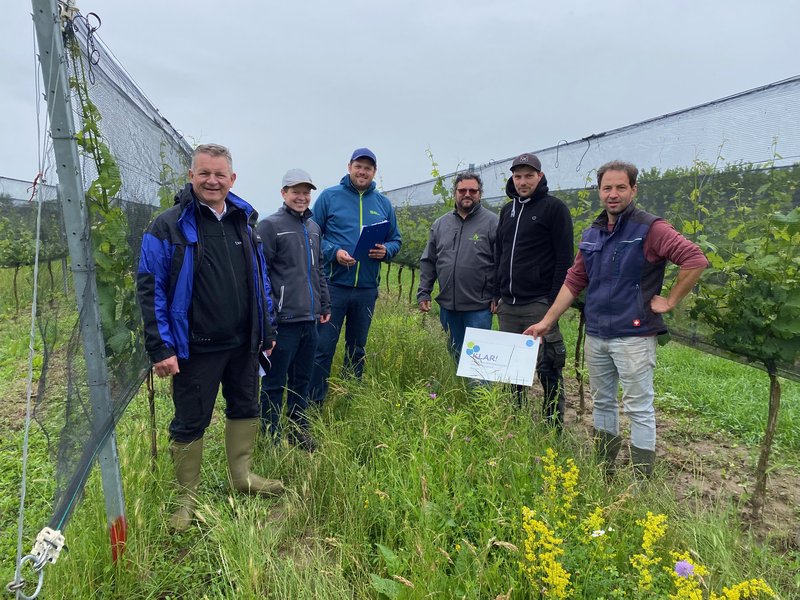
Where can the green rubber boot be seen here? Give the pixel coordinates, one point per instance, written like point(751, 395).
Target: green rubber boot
point(187, 459)
point(240, 438)
point(607, 447)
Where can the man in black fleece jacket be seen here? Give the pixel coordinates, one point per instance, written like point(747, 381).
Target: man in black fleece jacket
point(534, 250)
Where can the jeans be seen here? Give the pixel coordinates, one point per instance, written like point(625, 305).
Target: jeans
point(455, 323)
point(631, 362)
point(292, 359)
point(195, 387)
point(355, 306)
point(516, 318)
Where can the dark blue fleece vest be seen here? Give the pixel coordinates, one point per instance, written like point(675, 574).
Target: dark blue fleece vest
point(621, 281)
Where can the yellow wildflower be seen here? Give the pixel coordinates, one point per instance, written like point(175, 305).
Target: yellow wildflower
point(752, 588)
point(541, 551)
point(655, 526)
point(593, 524)
point(559, 487)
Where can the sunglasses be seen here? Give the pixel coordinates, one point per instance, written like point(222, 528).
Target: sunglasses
point(464, 191)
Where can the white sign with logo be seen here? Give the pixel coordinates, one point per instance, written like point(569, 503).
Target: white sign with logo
point(498, 356)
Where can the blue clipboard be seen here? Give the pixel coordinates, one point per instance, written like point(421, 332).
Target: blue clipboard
point(370, 235)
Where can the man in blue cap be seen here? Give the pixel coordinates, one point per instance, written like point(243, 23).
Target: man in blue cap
point(341, 212)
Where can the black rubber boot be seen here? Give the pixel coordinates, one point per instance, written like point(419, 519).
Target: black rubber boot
point(607, 447)
point(643, 462)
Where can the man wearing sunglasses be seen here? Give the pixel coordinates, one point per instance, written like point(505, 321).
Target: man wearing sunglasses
point(534, 251)
point(460, 254)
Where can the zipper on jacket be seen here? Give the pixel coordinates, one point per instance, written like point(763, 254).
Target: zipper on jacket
point(280, 300)
point(360, 227)
point(309, 262)
point(513, 249)
point(455, 262)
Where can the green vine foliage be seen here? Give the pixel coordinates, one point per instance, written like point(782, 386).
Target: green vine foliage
point(113, 257)
point(169, 180)
point(415, 221)
point(751, 301)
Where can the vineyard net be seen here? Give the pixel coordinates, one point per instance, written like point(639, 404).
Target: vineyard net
point(706, 169)
point(133, 162)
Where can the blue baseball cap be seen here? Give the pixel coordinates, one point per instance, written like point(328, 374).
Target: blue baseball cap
point(364, 153)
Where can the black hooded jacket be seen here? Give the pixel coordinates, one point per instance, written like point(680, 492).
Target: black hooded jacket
point(534, 246)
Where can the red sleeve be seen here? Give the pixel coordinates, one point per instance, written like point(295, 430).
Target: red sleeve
point(577, 279)
point(664, 243)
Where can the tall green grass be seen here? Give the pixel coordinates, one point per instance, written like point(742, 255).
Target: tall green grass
point(419, 479)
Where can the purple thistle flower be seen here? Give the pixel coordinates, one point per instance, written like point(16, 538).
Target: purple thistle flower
point(433, 395)
point(683, 568)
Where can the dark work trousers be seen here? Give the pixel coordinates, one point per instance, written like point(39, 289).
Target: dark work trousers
point(292, 360)
point(352, 309)
point(516, 318)
point(195, 388)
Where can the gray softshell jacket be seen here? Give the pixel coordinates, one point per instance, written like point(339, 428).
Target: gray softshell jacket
point(460, 254)
point(292, 250)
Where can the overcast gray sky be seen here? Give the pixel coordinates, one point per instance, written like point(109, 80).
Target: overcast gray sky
point(301, 84)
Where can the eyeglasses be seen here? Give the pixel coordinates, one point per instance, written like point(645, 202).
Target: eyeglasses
point(465, 191)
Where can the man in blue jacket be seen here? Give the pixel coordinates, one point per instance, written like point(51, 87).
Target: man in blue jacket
point(300, 296)
point(205, 298)
point(341, 211)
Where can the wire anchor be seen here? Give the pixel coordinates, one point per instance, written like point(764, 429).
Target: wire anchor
point(46, 548)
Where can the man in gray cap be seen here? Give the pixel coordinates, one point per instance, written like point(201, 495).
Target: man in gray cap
point(534, 250)
point(300, 297)
point(341, 212)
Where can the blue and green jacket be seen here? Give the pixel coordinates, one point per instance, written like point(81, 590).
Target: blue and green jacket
point(341, 211)
point(172, 249)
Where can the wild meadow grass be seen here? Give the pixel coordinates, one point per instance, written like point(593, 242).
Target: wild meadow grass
point(422, 487)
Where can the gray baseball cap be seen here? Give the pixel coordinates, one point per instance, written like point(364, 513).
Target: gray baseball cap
point(527, 160)
point(296, 176)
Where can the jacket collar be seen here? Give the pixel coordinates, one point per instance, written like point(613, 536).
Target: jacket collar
point(303, 216)
point(601, 221)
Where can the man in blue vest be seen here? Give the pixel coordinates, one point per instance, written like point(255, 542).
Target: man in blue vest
point(620, 263)
point(341, 212)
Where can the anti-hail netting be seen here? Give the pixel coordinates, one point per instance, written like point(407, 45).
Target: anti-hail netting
point(712, 171)
point(133, 162)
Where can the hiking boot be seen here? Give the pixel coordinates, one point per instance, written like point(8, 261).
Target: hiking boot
point(302, 439)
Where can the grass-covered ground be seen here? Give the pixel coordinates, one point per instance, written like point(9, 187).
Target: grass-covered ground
point(418, 491)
